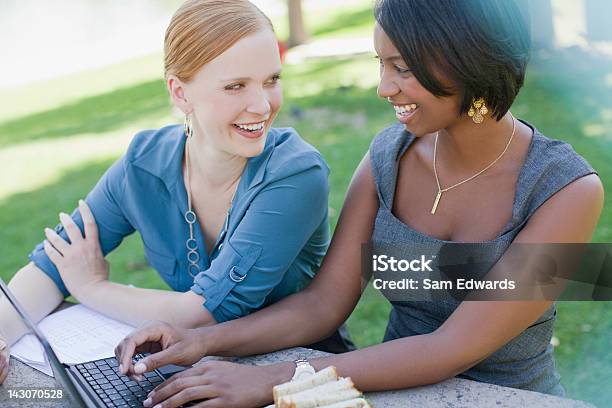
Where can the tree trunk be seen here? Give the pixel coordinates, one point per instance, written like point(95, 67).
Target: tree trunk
point(297, 30)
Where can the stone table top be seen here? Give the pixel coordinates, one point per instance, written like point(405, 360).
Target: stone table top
point(454, 392)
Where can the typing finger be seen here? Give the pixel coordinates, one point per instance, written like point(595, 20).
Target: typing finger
point(128, 346)
point(156, 360)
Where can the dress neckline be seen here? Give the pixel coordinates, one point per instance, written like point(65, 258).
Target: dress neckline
point(519, 181)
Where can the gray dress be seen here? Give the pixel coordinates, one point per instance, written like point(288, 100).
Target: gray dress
point(527, 361)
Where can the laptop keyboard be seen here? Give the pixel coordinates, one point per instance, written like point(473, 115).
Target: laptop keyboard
point(117, 390)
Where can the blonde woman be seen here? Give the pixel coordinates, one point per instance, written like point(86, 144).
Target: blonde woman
point(232, 212)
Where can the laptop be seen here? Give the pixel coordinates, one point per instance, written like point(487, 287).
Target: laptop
point(97, 383)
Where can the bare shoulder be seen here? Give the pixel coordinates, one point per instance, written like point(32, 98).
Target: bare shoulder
point(585, 194)
point(569, 215)
point(589, 186)
point(364, 172)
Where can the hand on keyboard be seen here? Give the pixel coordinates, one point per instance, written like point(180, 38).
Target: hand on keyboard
point(168, 345)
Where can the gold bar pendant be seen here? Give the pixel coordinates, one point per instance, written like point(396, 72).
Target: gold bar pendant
point(435, 205)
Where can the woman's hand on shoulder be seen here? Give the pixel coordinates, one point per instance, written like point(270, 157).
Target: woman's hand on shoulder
point(80, 263)
point(4, 359)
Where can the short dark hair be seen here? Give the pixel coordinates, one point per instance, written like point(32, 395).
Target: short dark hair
point(483, 46)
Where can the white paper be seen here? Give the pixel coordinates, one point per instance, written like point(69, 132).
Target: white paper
point(76, 334)
point(30, 351)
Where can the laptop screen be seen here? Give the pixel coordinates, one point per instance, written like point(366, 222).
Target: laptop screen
point(59, 371)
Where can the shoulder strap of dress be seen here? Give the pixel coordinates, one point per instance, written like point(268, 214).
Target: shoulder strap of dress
point(550, 166)
point(385, 152)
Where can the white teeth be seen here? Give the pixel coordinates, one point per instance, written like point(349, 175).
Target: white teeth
point(252, 128)
point(405, 108)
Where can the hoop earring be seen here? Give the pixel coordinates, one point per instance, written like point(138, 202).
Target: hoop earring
point(188, 126)
point(478, 110)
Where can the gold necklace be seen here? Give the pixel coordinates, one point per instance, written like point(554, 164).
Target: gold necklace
point(443, 190)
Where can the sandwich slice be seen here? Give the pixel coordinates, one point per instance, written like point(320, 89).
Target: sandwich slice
point(324, 389)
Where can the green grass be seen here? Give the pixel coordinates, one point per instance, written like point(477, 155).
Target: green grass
point(43, 96)
point(54, 148)
point(94, 114)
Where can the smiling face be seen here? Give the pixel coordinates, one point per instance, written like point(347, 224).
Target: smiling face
point(235, 97)
point(419, 110)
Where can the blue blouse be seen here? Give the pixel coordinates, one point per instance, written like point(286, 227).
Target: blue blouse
point(271, 245)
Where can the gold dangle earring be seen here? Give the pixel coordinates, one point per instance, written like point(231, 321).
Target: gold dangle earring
point(188, 126)
point(478, 110)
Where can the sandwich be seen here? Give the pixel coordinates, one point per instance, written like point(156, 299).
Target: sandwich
point(324, 389)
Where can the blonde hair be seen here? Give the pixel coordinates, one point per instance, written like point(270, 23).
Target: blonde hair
point(201, 30)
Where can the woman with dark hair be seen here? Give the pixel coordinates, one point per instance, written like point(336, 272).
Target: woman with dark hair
point(457, 168)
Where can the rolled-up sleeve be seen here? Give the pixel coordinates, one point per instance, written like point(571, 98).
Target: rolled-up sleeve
point(104, 201)
point(254, 259)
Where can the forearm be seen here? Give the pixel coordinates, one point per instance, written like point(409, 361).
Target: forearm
point(136, 306)
point(402, 363)
point(297, 320)
point(36, 292)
